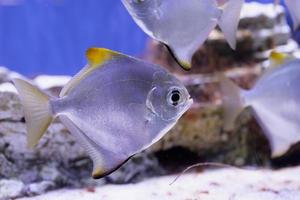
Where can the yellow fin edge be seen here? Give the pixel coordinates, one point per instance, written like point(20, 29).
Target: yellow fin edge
point(278, 58)
point(97, 57)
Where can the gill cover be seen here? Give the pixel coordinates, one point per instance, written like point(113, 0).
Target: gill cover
point(159, 99)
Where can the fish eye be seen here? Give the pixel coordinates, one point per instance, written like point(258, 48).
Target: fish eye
point(174, 97)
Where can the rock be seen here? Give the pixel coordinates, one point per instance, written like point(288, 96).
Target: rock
point(52, 84)
point(267, 15)
point(55, 159)
point(6, 75)
point(140, 167)
point(39, 188)
point(8, 87)
point(10, 189)
point(47, 82)
point(10, 107)
point(236, 184)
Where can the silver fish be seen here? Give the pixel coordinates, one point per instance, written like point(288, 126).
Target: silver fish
point(294, 6)
point(184, 25)
point(115, 107)
point(275, 100)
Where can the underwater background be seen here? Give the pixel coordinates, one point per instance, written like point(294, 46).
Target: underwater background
point(43, 39)
point(51, 36)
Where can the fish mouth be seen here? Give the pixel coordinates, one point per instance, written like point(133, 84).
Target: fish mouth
point(190, 101)
point(188, 105)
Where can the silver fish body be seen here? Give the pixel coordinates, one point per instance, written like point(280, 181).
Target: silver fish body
point(116, 105)
point(120, 109)
point(294, 6)
point(276, 103)
point(184, 25)
point(275, 100)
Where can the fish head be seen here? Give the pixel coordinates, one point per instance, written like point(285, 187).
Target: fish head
point(168, 99)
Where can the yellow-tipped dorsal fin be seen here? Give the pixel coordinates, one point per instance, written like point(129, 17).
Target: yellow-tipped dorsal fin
point(97, 57)
point(277, 58)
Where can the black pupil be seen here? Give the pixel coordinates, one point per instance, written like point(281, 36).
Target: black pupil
point(175, 97)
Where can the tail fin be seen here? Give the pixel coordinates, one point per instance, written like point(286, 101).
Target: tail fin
point(36, 109)
point(233, 101)
point(229, 20)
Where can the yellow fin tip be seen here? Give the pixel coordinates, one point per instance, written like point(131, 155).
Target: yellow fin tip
point(98, 56)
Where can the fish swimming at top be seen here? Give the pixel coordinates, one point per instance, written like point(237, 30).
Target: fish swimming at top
point(115, 107)
point(275, 101)
point(183, 26)
point(293, 7)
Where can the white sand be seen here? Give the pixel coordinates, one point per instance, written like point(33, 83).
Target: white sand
point(225, 184)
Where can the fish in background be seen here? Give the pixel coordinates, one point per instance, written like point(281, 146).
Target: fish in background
point(115, 107)
point(274, 100)
point(293, 7)
point(183, 26)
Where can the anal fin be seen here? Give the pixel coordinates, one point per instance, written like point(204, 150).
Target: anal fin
point(104, 162)
point(186, 65)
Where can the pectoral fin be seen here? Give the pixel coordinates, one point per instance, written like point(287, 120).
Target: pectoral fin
point(104, 162)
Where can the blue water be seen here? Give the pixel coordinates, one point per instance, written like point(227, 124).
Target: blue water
point(51, 36)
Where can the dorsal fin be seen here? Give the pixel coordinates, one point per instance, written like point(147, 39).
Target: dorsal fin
point(96, 58)
point(277, 58)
